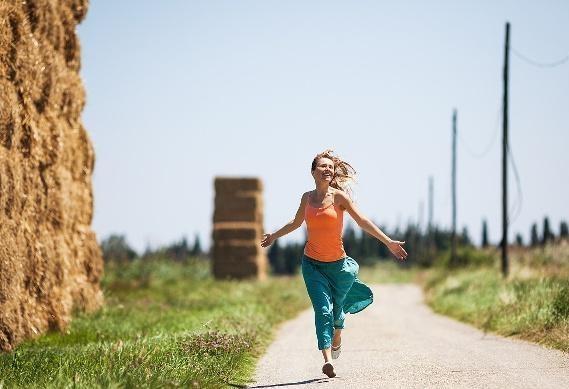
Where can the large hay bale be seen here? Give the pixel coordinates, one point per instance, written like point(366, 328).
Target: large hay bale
point(242, 231)
point(50, 262)
point(237, 229)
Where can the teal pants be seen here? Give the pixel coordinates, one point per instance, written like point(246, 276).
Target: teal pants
point(334, 289)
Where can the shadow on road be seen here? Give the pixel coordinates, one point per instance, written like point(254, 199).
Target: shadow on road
point(318, 380)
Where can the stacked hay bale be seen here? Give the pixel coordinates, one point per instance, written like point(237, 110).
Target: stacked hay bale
point(50, 262)
point(237, 229)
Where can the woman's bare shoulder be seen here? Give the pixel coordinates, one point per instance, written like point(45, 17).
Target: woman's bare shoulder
point(341, 198)
point(305, 195)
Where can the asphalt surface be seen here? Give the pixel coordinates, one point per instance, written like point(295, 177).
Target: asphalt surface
point(398, 342)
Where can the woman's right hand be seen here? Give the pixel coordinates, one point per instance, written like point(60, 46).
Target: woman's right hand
point(396, 248)
point(267, 240)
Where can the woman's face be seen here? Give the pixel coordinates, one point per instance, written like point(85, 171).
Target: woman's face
point(324, 170)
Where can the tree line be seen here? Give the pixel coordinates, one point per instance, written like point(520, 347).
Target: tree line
point(536, 238)
point(116, 248)
point(423, 245)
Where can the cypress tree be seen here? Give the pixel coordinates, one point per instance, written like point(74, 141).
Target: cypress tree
point(484, 233)
point(275, 258)
point(563, 230)
point(534, 238)
point(465, 237)
point(547, 234)
point(197, 248)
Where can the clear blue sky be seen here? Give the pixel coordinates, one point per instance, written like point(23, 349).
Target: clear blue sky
point(181, 91)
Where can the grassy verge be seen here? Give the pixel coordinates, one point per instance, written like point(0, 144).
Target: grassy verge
point(532, 304)
point(164, 324)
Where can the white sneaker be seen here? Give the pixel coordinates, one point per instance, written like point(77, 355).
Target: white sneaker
point(336, 351)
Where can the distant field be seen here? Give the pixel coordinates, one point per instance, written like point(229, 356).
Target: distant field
point(164, 324)
point(387, 271)
point(533, 303)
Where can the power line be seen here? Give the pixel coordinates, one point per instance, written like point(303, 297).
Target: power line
point(517, 206)
point(538, 63)
point(490, 145)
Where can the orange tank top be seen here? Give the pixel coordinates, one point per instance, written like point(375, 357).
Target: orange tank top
point(324, 226)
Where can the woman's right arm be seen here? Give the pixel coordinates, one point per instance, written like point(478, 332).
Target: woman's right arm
point(290, 226)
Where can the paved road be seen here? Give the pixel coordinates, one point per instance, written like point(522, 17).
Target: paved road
point(398, 342)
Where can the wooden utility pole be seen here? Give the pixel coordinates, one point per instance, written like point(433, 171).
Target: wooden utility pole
point(453, 236)
point(505, 262)
point(430, 225)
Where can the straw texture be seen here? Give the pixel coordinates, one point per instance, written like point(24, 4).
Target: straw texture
point(50, 262)
point(238, 228)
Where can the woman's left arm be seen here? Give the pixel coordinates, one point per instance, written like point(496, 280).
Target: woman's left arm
point(368, 226)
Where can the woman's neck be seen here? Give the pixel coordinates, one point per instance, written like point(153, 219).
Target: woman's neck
point(322, 189)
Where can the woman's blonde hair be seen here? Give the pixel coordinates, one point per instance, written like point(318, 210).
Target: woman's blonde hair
point(344, 173)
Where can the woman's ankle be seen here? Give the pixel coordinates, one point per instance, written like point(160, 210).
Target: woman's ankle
point(336, 340)
point(327, 354)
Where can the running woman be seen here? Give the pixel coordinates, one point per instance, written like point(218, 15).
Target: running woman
point(331, 276)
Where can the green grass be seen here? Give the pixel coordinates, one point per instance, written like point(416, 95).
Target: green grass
point(167, 324)
point(164, 324)
point(529, 304)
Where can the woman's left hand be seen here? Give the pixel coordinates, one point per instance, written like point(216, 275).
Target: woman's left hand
point(267, 240)
point(396, 249)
